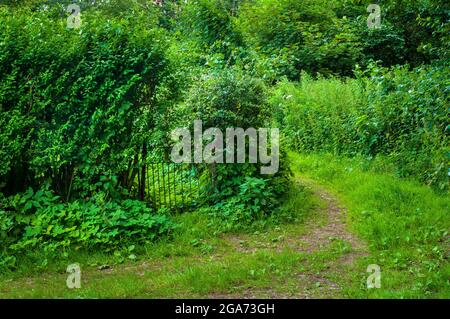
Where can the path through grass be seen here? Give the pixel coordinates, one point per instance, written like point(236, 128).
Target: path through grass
point(345, 216)
point(300, 259)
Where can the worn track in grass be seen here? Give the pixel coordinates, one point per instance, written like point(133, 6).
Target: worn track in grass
point(328, 225)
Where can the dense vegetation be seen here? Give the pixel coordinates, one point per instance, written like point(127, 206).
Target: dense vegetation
point(83, 112)
point(399, 114)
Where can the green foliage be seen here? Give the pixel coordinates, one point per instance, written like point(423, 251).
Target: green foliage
point(209, 22)
point(232, 98)
point(255, 201)
point(435, 19)
point(315, 36)
point(407, 118)
point(229, 98)
point(77, 105)
point(399, 113)
point(318, 114)
point(282, 31)
point(385, 45)
point(425, 27)
point(40, 220)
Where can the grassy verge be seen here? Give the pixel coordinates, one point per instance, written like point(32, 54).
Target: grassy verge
point(404, 223)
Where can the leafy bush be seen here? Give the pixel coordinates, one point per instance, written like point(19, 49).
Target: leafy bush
point(288, 37)
point(282, 33)
point(232, 98)
point(78, 105)
point(385, 44)
point(407, 119)
point(40, 220)
point(209, 22)
point(255, 201)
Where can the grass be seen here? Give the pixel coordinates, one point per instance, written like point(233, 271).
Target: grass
point(197, 262)
point(403, 223)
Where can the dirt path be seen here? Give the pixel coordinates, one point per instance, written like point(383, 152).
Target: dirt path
point(326, 227)
point(334, 229)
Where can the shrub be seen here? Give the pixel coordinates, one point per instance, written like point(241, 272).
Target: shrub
point(232, 98)
point(40, 220)
point(77, 105)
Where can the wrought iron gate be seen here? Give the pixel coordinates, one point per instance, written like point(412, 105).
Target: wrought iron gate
point(177, 186)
